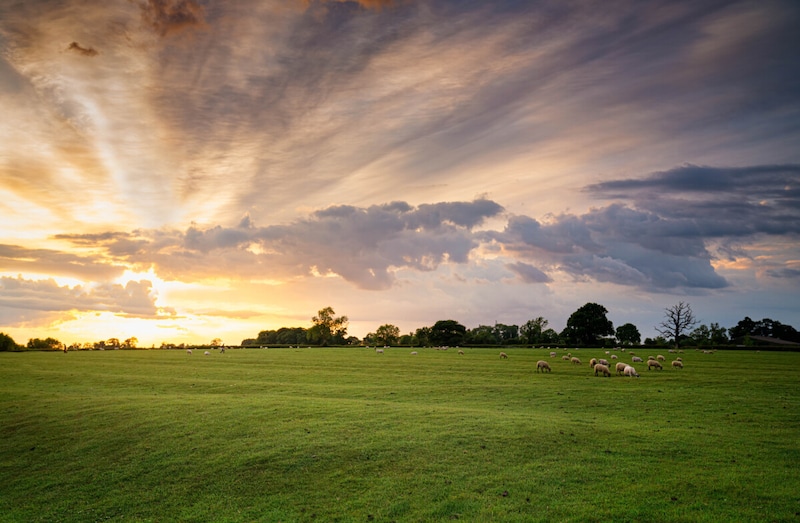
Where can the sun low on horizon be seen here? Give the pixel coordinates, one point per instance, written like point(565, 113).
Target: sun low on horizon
point(179, 171)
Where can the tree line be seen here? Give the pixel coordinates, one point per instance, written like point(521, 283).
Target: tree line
point(588, 326)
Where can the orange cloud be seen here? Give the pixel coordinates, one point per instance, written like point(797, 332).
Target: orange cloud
point(78, 48)
point(172, 16)
point(368, 4)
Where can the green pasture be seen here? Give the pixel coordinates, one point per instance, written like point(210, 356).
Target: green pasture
point(351, 435)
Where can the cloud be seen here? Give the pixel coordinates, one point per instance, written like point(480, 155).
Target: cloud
point(78, 48)
point(528, 273)
point(23, 301)
point(171, 16)
point(51, 262)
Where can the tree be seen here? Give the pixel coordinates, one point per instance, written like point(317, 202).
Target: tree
point(628, 334)
point(678, 319)
point(47, 343)
point(7, 342)
point(482, 335)
point(130, 343)
point(387, 334)
point(328, 328)
point(531, 332)
point(447, 333)
point(587, 324)
point(216, 342)
point(506, 334)
point(422, 337)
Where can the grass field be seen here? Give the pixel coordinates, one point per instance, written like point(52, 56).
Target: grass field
point(350, 435)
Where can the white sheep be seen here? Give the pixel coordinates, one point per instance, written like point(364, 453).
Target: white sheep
point(542, 366)
point(575, 360)
point(206, 353)
point(188, 351)
point(636, 359)
point(413, 353)
point(630, 371)
point(378, 351)
point(552, 354)
point(565, 358)
point(605, 362)
point(461, 352)
point(654, 363)
point(677, 364)
point(613, 356)
point(651, 357)
point(660, 357)
point(592, 362)
point(621, 367)
point(602, 368)
point(503, 355)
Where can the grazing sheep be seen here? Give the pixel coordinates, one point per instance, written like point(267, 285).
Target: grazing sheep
point(378, 351)
point(602, 368)
point(542, 366)
point(653, 363)
point(651, 357)
point(613, 356)
point(413, 353)
point(621, 367)
point(677, 364)
point(592, 362)
point(552, 354)
point(565, 358)
point(188, 351)
point(636, 359)
point(576, 361)
point(601, 361)
point(503, 355)
point(679, 358)
point(607, 353)
point(206, 353)
point(630, 371)
point(461, 352)
point(660, 357)
point(671, 351)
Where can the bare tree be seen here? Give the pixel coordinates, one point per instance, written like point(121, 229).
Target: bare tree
point(678, 319)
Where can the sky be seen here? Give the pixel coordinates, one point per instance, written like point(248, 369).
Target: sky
point(184, 170)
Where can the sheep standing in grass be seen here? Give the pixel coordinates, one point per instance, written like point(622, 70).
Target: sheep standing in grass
point(188, 351)
point(621, 367)
point(636, 359)
point(206, 353)
point(576, 361)
point(613, 356)
point(413, 353)
point(651, 357)
point(677, 364)
point(542, 366)
point(602, 361)
point(630, 371)
point(660, 357)
point(503, 355)
point(653, 364)
point(592, 362)
point(378, 351)
point(552, 354)
point(460, 352)
point(602, 368)
point(565, 358)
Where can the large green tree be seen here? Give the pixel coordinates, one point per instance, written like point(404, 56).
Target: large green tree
point(387, 334)
point(7, 342)
point(628, 334)
point(328, 328)
point(532, 331)
point(447, 333)
point(587, 325)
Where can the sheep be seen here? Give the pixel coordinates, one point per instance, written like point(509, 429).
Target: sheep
point(576, 361)
point(608, 352)
point(605, 362)
point(621, 367)
point(651, 357)
point(188, 351)
point(460, 352)
point(630, 371)
point(542, 366)
point(565, 358)
point(552, 354)
point(503, 355)
point(378, 351)
point(677, 364)
point(679, 359)
point(660, 357)
point(636, 359)
point(592, 362)
point(613, 356)
point(413, 353)
point(602, 368)
point(206, 353)
point(654, 363)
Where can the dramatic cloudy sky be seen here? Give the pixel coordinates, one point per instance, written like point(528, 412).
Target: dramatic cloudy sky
point(181, 170)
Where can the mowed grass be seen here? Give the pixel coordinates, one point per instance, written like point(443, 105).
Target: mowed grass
point(350, 435)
